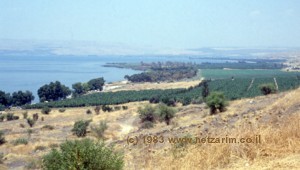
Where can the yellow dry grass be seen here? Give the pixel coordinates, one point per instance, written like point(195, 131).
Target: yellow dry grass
point(147, 85)
point(275, 118)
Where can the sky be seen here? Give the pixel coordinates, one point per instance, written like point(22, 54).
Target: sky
point(155, 23)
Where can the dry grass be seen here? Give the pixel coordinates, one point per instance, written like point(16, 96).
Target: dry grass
point(145, 86)
point(275, 117)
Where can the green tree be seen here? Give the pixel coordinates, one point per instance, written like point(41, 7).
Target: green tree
point(53, 92)
point(5, 98)
point(216, 101)
point(79, 89)
point(81, 155)
point(96, 84)
point(267, 88)
point(165, 113)
point(205, 90)
point(21, 98)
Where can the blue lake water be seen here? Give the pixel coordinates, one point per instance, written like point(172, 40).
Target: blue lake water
point(31, 72)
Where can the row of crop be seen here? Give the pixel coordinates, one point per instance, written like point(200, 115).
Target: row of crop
point(232, 88)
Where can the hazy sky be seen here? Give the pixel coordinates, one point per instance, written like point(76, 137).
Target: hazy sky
point(155, 23)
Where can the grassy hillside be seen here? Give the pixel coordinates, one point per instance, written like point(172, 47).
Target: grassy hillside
point(275, 118)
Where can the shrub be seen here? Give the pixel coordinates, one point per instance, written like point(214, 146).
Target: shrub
point(198, 100)
point(117, 108)
point(124, 107)
point(88, 112)
point(61, 110)
point(30, 122)
point(99, 129)
point(165, 113)
point(147, 113)
point(147, 125)
point(9, 116)
point(48, 127)
point(34, 164)
point(106, 108)
point(2, 108)
point(267, 88)
point(25, 115)
point(168, 101)
point(1, 158)
point(35, 116)
point(216, 101)
point(20, 141)
point(40, 148)
point(186, 101)
point(89, 155)
point(97, 110)
point(2, 138)
point(2, 117)
point(46, 110)
point(80, 128)
point(154, 99)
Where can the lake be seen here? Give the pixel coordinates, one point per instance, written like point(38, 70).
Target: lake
point(32, 72)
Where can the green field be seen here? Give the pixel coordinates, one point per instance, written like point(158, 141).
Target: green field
point(222, 81)
point(243, 73)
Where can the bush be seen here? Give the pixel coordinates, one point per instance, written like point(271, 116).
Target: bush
point(35, 116)
point(89, 155)
point(20, 141)
point(198, 100)
point(2, 138)
point(2, 108)
point(61, 110)
point(40, 148)
point(267, 88)
point(88, 112)
point(124, 107)
point(80, 128)
point(97, 110)
point(25, 115)
point(99, 129)
point(147, 125)
point(9, 116)
point(48, 127)
point(147, 113)
point(30, 122)
point(46, 110)
point(216, 101)
point(186, 101)
point(106, 108)
point(165, 113)
point(168, 101)
point(117, 108)
point(2, 117)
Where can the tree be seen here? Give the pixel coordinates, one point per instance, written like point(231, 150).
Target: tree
point(21, 98)
point(267, 88)
point(165, 113)
point(205, 90)
point(53, 92)
point(216, 101)
point(96, 84)
point(5, 98)
point(78, 89)
point(83, 154)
